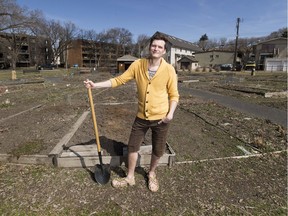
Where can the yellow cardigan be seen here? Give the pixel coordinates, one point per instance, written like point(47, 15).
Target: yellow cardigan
point(154, 94)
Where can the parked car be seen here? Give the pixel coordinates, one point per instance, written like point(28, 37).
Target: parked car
point(46, 67)
point(226, 67)
point(238, 67)
point(250, 65)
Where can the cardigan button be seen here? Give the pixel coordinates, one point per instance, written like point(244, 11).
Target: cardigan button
point(146, 101)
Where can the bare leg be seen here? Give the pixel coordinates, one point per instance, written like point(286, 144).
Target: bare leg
point(153, 164)
point(153, 182)
point(132, 160)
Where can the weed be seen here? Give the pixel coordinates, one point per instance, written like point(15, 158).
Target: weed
point(29, 148)
point(5, 105)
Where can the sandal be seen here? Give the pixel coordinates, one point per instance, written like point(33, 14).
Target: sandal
point(153, 184)
point(123, 182)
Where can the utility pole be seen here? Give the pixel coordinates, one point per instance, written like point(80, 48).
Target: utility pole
point(236, 43)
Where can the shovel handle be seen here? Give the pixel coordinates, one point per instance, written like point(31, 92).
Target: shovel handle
point(94, 120)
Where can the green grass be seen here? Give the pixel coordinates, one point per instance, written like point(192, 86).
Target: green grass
point(5, 106)
point(29, 148)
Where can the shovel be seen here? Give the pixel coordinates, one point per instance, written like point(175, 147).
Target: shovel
point(102, 172)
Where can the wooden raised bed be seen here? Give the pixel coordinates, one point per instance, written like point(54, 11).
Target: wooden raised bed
point(87, 156)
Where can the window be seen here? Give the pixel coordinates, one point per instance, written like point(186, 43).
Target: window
point(268, 48)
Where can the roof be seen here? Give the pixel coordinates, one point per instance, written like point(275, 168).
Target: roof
point(127, 58)
point(189, 58)
point(215, 51)
point(273, 39)
point(177, 42)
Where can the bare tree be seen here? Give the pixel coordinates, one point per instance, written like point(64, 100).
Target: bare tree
point(59, 37)
point(282, 32)
point(69, 33)
point(119, 36)
point(223, 42)
point(12, 16)
point(125, 40)
point(142, 40)
point(91, 39)
point(15, 24)
point(245, 48)
point(212, 44)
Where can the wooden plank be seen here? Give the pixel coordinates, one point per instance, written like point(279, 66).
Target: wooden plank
point(26, 159)
point(59, 147)
point(112, 161)
point(89, 157)
point(171, 151)
point(145, 150)
point(232, 157)
point(276, 94)
point(88, 161)
point(35, 107)
point(188, 81)
point(79, 153)
point(145, 160)
point(81, 148)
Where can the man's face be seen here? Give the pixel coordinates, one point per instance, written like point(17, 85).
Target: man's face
point(157, 49)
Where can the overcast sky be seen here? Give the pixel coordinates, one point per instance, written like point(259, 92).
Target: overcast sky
point(185, 19)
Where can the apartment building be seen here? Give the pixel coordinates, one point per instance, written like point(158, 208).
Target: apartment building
point(98, 55)
point(23, 50)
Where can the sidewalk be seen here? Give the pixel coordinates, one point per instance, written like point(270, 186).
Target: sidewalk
point(274, 115)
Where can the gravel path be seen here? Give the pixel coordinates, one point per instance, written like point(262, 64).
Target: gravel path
point(274, 115)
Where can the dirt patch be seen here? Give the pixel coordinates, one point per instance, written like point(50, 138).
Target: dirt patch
point(35, 116)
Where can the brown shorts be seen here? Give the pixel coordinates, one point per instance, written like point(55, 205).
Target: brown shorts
point(159, 135)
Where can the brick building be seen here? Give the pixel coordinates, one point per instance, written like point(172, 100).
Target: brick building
point(23, 50)
point(99, 55)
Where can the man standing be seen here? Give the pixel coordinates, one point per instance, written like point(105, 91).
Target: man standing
point(158, 96)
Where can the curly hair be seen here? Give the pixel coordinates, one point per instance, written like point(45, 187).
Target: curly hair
point(159, 36)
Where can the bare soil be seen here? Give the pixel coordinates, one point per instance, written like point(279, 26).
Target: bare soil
point(36, 113)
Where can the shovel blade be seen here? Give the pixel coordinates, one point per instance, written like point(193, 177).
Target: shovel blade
point(102, 174)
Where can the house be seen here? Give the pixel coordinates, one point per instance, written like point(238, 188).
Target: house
point(176, 49)
point(213, 58)
point(187, 63)
point(271, 55)
point(124, 62)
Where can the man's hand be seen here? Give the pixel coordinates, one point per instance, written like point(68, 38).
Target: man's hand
point(89, 84)
point(166, 119)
